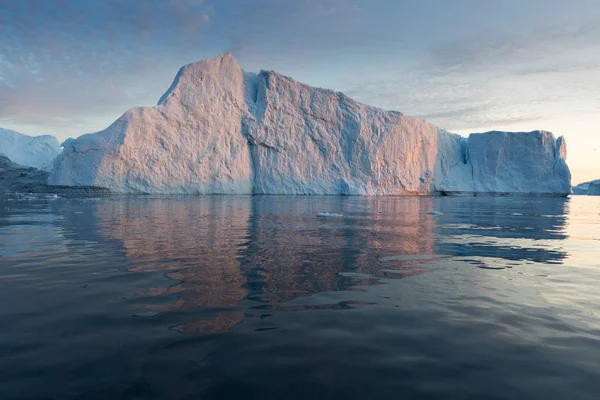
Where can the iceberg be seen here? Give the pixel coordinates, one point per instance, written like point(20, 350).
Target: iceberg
point(510, 163)
point(591, 188)
point(191, 142)
point(221, 130)
point(30, 151)
point(594, 189)
point(21, 179)
point(15, 178)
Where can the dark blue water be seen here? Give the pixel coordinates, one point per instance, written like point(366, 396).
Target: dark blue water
point(256, 298)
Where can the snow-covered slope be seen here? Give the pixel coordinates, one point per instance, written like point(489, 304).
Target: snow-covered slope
point(221, 130)
point(30, 151)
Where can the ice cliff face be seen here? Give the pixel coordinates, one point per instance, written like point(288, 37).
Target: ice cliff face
point(30, 151)
point(221, 130)
point(305, 140)
point(510, 162)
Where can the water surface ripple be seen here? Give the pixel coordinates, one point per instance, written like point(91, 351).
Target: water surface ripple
point(255, 297)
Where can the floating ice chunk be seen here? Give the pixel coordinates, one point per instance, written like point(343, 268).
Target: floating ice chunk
point(356, 275)
point(146, 314)
point(435, 213)
point(328, 215)
point(411, 257)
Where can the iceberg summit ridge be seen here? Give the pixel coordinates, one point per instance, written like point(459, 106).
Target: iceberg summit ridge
point(220, 130)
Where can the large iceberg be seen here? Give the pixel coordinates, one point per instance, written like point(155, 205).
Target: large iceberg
point(220, 130)
point(31, 151)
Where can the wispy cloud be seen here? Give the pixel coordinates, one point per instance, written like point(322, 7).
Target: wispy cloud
point(462, 64)
point(70, 58)
point(492, 49)
point(331, 6)
point(304, 26)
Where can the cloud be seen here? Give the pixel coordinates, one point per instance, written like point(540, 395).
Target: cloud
point(507, 48)
point(473, 77)
point(329, 7)
point(301, 26)
point(461, 64)
point(68, 59)
point(496, 96)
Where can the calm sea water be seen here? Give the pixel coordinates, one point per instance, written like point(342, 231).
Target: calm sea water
point(257, 298)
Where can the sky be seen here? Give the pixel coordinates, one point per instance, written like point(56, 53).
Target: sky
point(69, 67)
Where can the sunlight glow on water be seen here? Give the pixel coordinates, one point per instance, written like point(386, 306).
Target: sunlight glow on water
point(256, 297)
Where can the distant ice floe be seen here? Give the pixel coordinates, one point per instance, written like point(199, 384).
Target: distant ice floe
point(146, 314)
point(435, 213)
point(328, 215)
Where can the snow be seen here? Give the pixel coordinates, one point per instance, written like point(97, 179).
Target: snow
point(220, 130)
point(29, 151)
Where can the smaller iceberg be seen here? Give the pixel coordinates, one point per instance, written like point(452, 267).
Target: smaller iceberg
point(594, 189)
point(591, 188)
point(29, 151)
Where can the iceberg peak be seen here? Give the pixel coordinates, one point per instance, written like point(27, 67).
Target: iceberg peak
point(191, 75)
